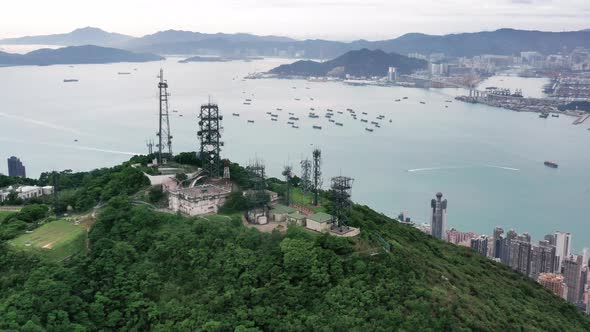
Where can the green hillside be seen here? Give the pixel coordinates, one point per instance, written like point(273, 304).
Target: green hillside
point(161, 272)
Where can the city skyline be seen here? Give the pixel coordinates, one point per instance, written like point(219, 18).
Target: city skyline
point(331, 19)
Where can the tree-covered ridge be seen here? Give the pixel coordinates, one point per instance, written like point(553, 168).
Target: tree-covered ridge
point(155, 271)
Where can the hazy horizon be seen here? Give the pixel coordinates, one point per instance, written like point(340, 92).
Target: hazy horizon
point(343, 20)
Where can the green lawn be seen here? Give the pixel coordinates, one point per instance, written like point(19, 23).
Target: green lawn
point(56, 240)
point(298, 197)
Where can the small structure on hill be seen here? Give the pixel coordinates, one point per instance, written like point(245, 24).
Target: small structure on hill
point(200, 200)
point(280, 212)
point(319, 222)
point(297, 218)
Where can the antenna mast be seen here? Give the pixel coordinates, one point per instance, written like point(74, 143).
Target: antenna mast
point(164, 134)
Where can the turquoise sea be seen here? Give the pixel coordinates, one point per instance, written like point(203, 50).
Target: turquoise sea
point(488, 162)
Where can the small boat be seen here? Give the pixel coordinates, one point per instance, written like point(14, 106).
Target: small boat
point(180, 115)
point(248, 99)
point(124, 73)
point(339, 112)
point(297, 99)
point(378, 126)
point(279, 109)
point(70, 80)
point(273, 119)
point(390, 121)
point(555, 115)
point(274, 115)
point(294, 87)
point(245, 103)
point(398, 100)
point(291, 122)
point(269, 113)
point(373, 122)
point(306, 88)
point(550, 164)
point(446, 106)
point(314, 116)
point(317, 127)
point(369, 129)
point(174, 111)
point(294, 126)
point(75, 140)
point(250, 121)
point(339, 124)
point(544, 115)
point(364, 113)
point(293, 118)
point(422, 102)
point(329, 110)
point(312, 109)
point(364, 120)
point(448, 101)
point(405, 98)
point(332, 120)
point(236, 114)
point(310, 98)
point(349, 109)
point(290, 113)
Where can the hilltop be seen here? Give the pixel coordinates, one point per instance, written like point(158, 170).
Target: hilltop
point(147, 270)
point(87, 54)
point(78, 37)
point(356, 63)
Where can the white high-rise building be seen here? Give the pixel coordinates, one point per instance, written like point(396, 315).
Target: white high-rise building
point(392, 74)
point(563, 247)
point(439, 217)
point(585, 256)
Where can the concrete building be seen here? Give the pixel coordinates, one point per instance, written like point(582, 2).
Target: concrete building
point(392, 74)
point(543, 259)
point(480, 245)
point(280, 212)
point(563, 247)
point(439, 216)
point(553, 282)
point(572, 273)
point(459, 238)
point(297, 218)
point(16, 167)
point(25, 192)
point(520, 254)
point(319, 222)
point(200, 200)
point(439, 69)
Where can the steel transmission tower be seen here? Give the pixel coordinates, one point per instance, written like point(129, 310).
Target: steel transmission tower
point(305, 175)
point(341, 189)
point(287, 173)
point(164, 134)
point(257, 177)
point(150, 145)
point(210, 136)
point(317, 175)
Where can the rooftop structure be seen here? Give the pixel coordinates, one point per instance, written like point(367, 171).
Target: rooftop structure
point(26, 192)
point(200, 200)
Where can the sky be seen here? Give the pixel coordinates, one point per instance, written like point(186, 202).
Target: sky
point(330, 19)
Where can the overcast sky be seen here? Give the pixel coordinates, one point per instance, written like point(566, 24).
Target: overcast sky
point(331, 19)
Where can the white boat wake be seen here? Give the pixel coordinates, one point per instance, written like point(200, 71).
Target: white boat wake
point(460, 167)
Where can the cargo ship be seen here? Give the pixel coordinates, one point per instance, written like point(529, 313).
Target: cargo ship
point(551, 164)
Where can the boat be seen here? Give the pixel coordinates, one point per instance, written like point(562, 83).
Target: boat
point(124, 73)
point(332, 120)
point(75, 140)
point(555, 115)
point(317, 127)
point(248, 99)
point(279, 109)
point(174, 111)
point(374, 122)
point(339, 112)
point(314, 116)
point(291, 113)
point(236, 114)
point(293, 118)
point(369, 129)
point(422, 102)
point(364, 120)
point(349, 109)
point(377, 125)
point(405, 98)
point(269, 113)
point(297, 99)
point(398, 100)
point(274, 115)
point(364, 113)
point(446, 106)
point(390, 121)
point(179, 114)
point(312, 109)
point(448, 101)
point(329, 110)
point(339, 124)
point(250, 121)
point(70, 80)
point(273, 119)
point(291, 122)
point(544, 115)
point(245, 103)
point(294, 126)
point(310, 98)
point(550, 164)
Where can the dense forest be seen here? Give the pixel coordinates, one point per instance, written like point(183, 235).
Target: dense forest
point(156, 271)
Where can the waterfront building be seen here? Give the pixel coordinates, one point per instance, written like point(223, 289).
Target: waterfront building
point(439, 216)
point(553, 282)
point(16, 167)
point(572, 273)
point(480, 245)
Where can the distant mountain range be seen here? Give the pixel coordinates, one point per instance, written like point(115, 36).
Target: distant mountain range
point(502, 42)
point(357, 63)
point(88, 54)
point(78, 37)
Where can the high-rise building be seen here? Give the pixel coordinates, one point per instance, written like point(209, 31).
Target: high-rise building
point(520, 254)
point(16, 167)
point(459, 238)
point(392, 74)
point(585, 256)
point(563, 247)
point(439, 216)
point(480, 245)
point(553, 282)
point(572, 273)
point(542, 259)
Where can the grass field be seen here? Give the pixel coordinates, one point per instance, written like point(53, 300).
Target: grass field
point(4, 214)
point(298, 197)
point(56, 240)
